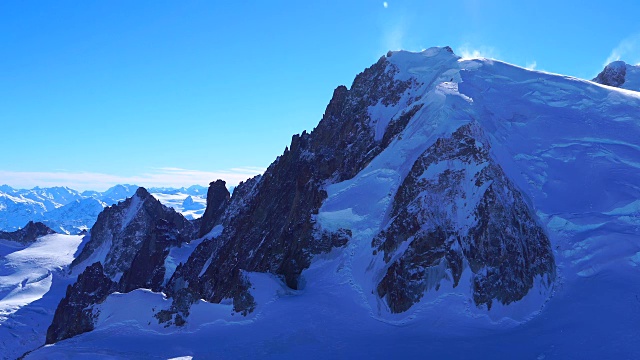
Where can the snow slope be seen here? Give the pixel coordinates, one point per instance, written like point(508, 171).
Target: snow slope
point(569, 145)
point(31, 285)
point(312, 325)
point(27, 273)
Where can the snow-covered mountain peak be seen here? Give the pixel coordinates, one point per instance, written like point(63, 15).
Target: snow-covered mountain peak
point(122, 229)
point(451, 195)
point(424, 63)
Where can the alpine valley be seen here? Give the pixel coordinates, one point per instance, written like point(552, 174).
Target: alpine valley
point(442, 208)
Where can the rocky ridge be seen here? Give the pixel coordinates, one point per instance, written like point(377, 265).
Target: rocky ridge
point(455, 210)
point(124, 250)
point(620, 74)
point(28, 234)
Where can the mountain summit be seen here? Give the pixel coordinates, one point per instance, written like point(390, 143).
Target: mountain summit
point(436, 196)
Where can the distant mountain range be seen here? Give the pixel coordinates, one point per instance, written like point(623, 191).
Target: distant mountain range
point(69, 211)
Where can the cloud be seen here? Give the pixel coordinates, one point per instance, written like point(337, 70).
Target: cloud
point(385, 4)
point(161, 177)
point(628, 50)
point(532, 65)
point(397, 36)
point(467, 51)
point(394, 37)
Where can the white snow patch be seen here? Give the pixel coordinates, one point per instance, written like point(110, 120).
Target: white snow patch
point(26, 274)
point(132, 211)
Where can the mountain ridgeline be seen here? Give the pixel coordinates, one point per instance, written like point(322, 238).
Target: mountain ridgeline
point(454, 218)
point(28, 234)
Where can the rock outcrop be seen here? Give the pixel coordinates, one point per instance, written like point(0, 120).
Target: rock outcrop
point(217, 201)
point(620, 74)
point(123, 229)
point(613, 74)
point(28, 234)
point(269, 226)
point(457, 209)
point(126, 248)
point(75, 314)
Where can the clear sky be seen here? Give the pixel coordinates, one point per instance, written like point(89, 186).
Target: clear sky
point(176, 93)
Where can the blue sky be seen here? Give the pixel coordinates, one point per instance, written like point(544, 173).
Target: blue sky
point(94, 93)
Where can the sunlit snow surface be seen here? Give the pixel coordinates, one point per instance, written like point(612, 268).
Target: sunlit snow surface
point(27, 274)
point(570, 145)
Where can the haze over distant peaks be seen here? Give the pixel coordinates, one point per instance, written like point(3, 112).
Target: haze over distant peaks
point(68, 211)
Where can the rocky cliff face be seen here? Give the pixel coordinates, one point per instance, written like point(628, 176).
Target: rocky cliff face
point(123, 229)
point(27, 234)
point(217, 201)
point(270, 227)
point(455, 210)
point(75, 314)
point(126, 248)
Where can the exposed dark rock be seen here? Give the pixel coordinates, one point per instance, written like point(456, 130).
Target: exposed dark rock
point(455, 205)
point(613, 74)
point(132, 239)
point(121, 231)
point(397, 126)
point(217, 201)
point(269, 225)
point(75, 313)
point(147, 268)
point(28, 234)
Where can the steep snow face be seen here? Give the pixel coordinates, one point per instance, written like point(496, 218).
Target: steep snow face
point(632, 79)
point(620, 74)
point(559, 140)
point(571, 146)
